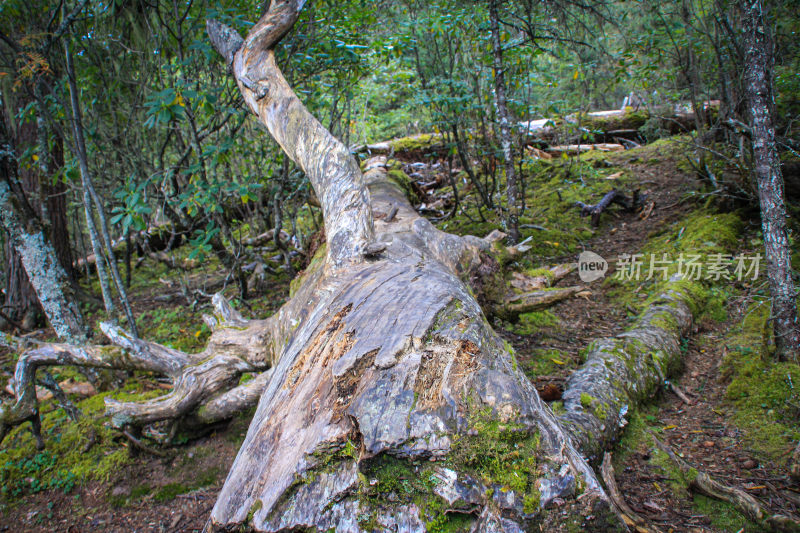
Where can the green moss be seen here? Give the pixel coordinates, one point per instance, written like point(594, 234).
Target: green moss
point(544, 361)
point(401, 179)
point(530, 503)
point(317, 262)
point(178, 327)
point(723, 516)
point(552, 188)
point(631, 119)
point(530, 323)
point(76, 451)
point(385, 479)
point(586, 400)
point(497, 453)
point(540, 272)
point(417, 143)
point(253, 510)
point(641, 420)
point(763, 392)
point(169, 491)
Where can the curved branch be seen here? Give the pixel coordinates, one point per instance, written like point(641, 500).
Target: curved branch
point(329, 165)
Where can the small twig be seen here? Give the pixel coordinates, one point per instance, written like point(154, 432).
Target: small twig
point(679, 393)
point(48, 381)
point(627, 514)
point(533, 226)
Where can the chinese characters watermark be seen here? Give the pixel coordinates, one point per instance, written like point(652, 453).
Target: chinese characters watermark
point(712, 267)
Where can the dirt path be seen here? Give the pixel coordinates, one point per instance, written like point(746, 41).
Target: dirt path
point(705, 435)
point(582, 320)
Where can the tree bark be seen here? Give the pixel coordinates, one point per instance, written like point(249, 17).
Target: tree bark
point(37, 255)
point(21, 303)
point(512, 193)
point(381, 356)
point(759, 59)
point(389, 350)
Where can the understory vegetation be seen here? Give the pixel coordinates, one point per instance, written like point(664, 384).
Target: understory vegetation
point(548, 130)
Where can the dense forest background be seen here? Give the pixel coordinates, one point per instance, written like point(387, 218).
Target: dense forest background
point(128, 147)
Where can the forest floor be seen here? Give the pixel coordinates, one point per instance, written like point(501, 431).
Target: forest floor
point(740, 437)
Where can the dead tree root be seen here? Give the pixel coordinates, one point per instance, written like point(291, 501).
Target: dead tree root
point(205, 385)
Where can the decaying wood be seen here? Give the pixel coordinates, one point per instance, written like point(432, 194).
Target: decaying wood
point(747, 504)
point(573, 149)
point(631, 519)
point(611, 197)
point(624, 370)
point(526, 283)
point(531, 301)
point(236, 346)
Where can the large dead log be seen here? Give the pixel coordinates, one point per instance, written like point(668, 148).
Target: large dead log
point(382, 356)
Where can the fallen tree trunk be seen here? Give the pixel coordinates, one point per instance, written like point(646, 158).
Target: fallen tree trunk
point(381, 361)
point(526, 302)
point(622, 371)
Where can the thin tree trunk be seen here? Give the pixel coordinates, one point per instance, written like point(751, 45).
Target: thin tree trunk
point(91, 197)
point(512, 193)
point(759, 87)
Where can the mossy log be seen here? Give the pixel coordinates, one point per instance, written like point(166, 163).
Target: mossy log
point(622, 371)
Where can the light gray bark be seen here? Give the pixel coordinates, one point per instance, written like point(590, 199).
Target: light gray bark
point(39, 259)
point(389, 347)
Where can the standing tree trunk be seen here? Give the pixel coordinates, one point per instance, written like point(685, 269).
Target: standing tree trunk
point(758, 80)
point(26, 235)
point(55, 198)
point(512, 192)
point(21, 303)
point(48, 201)
point(102, 249)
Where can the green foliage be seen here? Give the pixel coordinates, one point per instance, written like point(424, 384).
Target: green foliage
point(130, 215)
